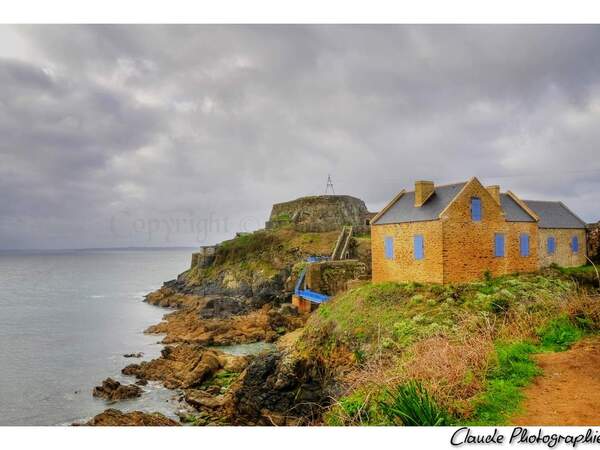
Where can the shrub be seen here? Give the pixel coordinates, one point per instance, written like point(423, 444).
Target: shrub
point(411, 405)
point(453, 371)
point(585, 311)
point(353, 409)
point(559, 334)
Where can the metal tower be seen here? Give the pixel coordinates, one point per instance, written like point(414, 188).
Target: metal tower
point(329, 185)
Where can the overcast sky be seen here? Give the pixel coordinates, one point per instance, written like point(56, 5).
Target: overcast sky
point(164, 136)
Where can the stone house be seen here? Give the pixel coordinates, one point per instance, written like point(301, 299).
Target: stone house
point(562, 235)
point(457, 232)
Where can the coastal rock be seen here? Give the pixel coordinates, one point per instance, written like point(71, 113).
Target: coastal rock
point(114, 417)
point(202, 399)
point(112, 390)
point(169, 297)
point(185, 366)
point(279, 389)
point(222, 307)
point(265, 324)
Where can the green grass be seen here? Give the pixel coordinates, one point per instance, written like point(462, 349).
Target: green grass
point(390, 318)
point(397, 314)
point(559, 334)
point(411, 405)
point(503, 395)
point(516, 369)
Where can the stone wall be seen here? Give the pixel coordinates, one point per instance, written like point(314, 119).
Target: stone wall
point(593, 241)
point(456, 249)
point(469, 246)
point(563, 255)
point(332, 277)
point(204, 257)
point(320, 214)
point(403, 267)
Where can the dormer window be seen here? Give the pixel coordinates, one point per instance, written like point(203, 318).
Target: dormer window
point(475, 209)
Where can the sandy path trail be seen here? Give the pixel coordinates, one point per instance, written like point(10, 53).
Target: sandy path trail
point(568, 391)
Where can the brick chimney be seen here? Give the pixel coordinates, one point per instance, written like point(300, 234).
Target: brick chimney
point(495, 192)
point(423, 190)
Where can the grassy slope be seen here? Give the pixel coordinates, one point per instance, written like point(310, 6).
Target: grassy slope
point(264, 252)
point(469, 345)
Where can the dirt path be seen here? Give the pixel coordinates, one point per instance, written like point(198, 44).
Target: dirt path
point(568, 392)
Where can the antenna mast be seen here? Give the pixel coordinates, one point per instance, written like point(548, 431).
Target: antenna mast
point(329, 185)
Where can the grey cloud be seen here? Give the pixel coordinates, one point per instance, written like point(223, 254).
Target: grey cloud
point(109, 132)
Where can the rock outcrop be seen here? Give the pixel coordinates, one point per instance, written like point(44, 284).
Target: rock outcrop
point(279, 389)
point(219, 320)
point(320, 213)
point(593, 241)
point(114, 417)
point(186, 366)
point(112, 390)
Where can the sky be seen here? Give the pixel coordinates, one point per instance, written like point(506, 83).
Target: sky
point(116, 136)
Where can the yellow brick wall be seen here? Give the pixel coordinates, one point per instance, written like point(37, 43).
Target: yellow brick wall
point(469, 245)
point(404, 267)
point(457, 249)
point(563, 256)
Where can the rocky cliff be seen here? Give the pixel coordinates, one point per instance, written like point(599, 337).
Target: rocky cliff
point(238, 292)
point(321, 213)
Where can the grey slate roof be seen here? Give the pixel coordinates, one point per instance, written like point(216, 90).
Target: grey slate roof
point(554, 215)
point(512, 211)
point(404, 209)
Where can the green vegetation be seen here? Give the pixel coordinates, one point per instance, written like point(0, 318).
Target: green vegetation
point(585, 275)
point(411, 405)
point(283, 217)
point(263, 254)
point(503, 394)
point(398, 314)
point(436, 354)
point(223, 379)
point(559, 334)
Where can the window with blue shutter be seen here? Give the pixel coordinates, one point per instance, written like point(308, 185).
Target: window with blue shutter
point(524, 244)
point(476, 209)
point(389, 247)
point(419, 247)
point(499, 244)
point(551, 245)
point(575, 244)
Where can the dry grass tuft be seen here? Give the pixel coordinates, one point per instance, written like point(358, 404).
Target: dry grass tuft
point(585, 309)
point(452, 370)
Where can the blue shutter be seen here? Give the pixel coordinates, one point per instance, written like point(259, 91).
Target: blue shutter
point(476, 209)
point(575, 244)
point(524, 244)
point(419, 247)
point(551, 245)
point(498, 244)
point(389, 247)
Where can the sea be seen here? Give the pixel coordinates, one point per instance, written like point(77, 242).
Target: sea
point(66, 320)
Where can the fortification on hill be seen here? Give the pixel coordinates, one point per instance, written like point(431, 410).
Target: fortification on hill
point(321, 213)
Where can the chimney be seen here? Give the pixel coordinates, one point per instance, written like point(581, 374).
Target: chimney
point(494, 192)
point(423, 189)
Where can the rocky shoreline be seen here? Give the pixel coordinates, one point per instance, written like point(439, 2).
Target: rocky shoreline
point(213, 387)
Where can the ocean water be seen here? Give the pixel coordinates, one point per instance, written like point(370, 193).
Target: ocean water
point(66, 319)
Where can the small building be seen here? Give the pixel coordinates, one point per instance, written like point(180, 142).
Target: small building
point(562, 235)
point(454, 233)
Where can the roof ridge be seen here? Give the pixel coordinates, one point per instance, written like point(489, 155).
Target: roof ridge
point(543, 201)
point(441, 185)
